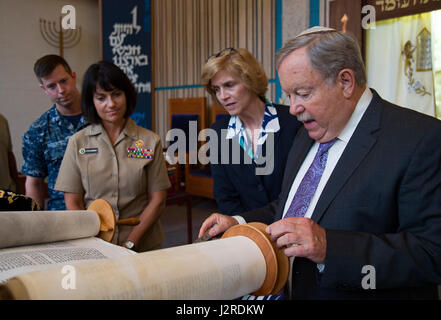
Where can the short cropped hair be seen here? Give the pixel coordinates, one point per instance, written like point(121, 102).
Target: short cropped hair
point(46, 64)
point(109, 77)
point(329, 52)
point(238, 63)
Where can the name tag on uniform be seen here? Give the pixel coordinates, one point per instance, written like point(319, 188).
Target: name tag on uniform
point(139, 153)
point(88, 150)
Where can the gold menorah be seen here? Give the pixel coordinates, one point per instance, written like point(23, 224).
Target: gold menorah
point(56, 36)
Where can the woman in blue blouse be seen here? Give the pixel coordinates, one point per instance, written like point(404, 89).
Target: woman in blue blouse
point(258, 133)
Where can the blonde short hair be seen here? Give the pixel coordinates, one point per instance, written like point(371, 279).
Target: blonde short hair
point(240, 64)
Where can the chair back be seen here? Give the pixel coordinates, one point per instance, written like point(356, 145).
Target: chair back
point(181, 111)
point(198, 180)
point(217, 113)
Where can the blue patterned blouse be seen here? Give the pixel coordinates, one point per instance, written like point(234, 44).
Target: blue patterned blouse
point(237, 130)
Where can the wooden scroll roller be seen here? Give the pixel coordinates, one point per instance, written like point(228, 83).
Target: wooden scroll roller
point(107, 219)
point(277, 263)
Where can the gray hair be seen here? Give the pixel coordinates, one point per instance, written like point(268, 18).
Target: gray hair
point(330, 51)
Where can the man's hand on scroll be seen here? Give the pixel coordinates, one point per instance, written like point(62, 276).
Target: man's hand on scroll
point(216, 224)
point(302, 237)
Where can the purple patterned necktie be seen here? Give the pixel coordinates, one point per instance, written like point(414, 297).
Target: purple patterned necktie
point(310, 181)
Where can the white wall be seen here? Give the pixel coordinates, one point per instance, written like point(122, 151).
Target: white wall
point(295, 18)
point(21, 44)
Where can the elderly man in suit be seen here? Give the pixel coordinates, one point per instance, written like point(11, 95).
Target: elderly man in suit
point(361, 195)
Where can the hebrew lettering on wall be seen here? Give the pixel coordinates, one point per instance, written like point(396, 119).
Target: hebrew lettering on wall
point(387, 9)
point(127, 43)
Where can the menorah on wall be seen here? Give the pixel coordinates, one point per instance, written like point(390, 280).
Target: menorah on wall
point(57, 36)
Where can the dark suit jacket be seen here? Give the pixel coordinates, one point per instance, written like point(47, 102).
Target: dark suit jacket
point(237, 188)
point(381, 207)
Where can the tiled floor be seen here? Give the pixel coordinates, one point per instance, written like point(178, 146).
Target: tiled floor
point(174, 221)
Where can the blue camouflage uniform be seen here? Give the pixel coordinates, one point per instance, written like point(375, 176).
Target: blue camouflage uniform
point(43, 149)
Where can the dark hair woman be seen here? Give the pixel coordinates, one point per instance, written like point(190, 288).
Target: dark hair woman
point(116, 160)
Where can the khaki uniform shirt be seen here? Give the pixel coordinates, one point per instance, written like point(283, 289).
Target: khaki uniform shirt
point(5, 147)
point(122, 174)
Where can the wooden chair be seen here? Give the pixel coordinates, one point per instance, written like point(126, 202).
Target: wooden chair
point(198, 180)
point(177, 196)
point(183, 110)
point(217, 112)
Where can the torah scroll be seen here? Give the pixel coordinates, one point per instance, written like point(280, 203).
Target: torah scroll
point(31, 227)
point(244, 261)
point(18, 228)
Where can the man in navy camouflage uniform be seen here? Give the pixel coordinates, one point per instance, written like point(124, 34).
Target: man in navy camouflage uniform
point(46, 139)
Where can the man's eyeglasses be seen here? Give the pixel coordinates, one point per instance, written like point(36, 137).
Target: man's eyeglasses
point(225, 52)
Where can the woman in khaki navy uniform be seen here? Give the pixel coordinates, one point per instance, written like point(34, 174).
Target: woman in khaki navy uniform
point(116, 160)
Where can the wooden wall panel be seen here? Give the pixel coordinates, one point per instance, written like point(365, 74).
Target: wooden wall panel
point(188, 31)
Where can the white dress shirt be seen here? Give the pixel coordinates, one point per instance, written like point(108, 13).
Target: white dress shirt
point(334, 155)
